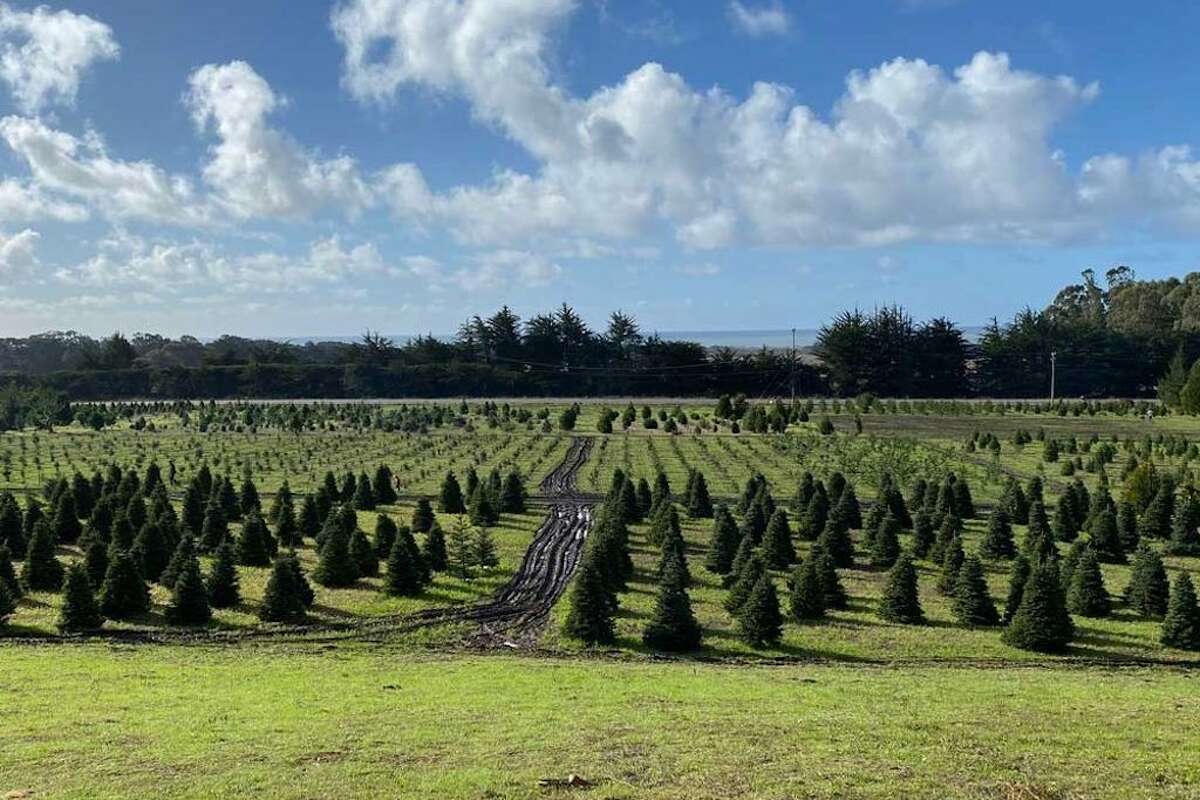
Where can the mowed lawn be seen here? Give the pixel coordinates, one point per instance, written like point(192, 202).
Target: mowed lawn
point(88, 721)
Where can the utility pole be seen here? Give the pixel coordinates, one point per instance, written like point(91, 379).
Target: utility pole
point(1053, 370)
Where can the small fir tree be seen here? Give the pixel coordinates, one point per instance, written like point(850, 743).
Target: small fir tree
point(189, 597)
point(973, 604)
point(1181, 627)
point(123, 594)
point(1041, 622)
point(807, 596)
point(1087, 595)
point(900, 601)
point(224, 587)
point(1148, 591)
point(760, 621)
point(79, 612)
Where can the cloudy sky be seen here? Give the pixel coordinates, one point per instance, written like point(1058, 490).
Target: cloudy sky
point(302, 168)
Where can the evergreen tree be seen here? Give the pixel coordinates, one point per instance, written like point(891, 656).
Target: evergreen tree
point(1041, 622)
point(1017, 579)
point(512, 496)
point(422, 517)
point(123, 593)
point(1127, 526)
point(185, 550)
point(8, 574)
point(363, 553)
point(1148, 590)
point(885, 546)
point(848, 507)
point(952, 561)
point(831, 584)
point(1087, 595)
point(951, 527)
point(254, 545)
point(723, 543)
point(964, 505)
point(754, 525)
point(364, 495)
point(483, 513)
point(760, 621)
point(450, 499)
point(645, 497)
point(1066, 568)
point(189, 597)
point(744, 552)
point(1105, 539)
point(65, 520)
point(673, 626)
point(152, 548)
point(973, 604)
point(836, 542)
point(79, 612)
point(215, 528)
point(900, 601)
point(336, 567)
point(12, 529)
point(383, 485)
point(384, 537)
point(699, 503)
point(299, 581)
point(434, 551)
point(309, 522)
point(403, 573)
point(287, 531)
point(747, 578)
point(43, 572)
point(228, 498)
point(923, 534)
point(998, 542)
point(193, 510)
point(1185, 537)
point(248, 499)
point(778, 549)
point(590, 616)
point(460, 551)
point(283, 599)
point(1181, 627)
point(8, 603)
point(283, 499)
point(224, 588)
point(807, 599)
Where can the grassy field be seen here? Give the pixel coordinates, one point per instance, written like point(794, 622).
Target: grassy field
point(172, 722)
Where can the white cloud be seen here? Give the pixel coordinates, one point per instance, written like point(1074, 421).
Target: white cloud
point(909, 152)
point(766, 20)
point(44, 53)
point(22, 202)
point(704, 269)
point(505, 268)
point(259, 171)
point(82, 169)
point(17, 252)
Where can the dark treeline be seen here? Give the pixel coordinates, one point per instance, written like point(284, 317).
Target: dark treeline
point(1111, 340)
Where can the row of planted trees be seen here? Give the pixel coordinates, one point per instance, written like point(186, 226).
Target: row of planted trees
point(129, 535)
point(756, 538)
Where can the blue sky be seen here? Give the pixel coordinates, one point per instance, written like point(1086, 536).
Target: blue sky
point(291, 169)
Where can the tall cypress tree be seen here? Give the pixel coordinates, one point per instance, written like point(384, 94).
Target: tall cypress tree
point(224, 588)
point(1041, 622)
point(1181, 627)
point(43, 572)
point(760, 622)
point(79, 612)
point(973, 604)
point(900, 601)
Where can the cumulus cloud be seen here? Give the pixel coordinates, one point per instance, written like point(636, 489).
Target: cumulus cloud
point(258, 170)
point(44, 53)
point(17, 252)
point(909, 151)
point(82, 169)
point(766, 20)
point(23, 202)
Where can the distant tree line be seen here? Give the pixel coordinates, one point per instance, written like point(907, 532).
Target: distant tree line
point(1115, 340)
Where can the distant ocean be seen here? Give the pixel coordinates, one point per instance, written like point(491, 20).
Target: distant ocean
point(742, 340)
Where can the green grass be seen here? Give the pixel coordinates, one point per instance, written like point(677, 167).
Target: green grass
point(169, 722)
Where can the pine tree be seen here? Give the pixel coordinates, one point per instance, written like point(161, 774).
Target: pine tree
point(8, 603)
point(1127, 526)
point(1185, 537)
point(95, 560)
point(382, 486)
point(434, 551)
point(998, 542)
point(363, 553)
point(336, 568)
point(485, 549)
point(450, 499)
point(43, 572)
point(923, 534)
point(1041, 622)
point(224, 588)
point(760, 621)
point(950, 528)
point(283, 499)
point(699, 503)
point(299, 581)
point(228, 498)
point(403, 573)
point(483, 514)
point(831, 584)
point(309, 522)
point(900, 601)
point(1017, 579)
point(248, 499)
point(384, 536)
point(253, 543)
point(723, 543)
point(1148, 591)
point(973, 604)
point(673, 626)
point(364, 495)
point(215, 528)
point(778, 549)
point(189, 597)
point(79, 612)
point(153, 549)
point(512, 496)
point(123, 593)
point(952, 561)
point(422, 517)
point(8, 574)
point(65, 520)
point(283, 599)
point(1181, 627)
point(747, 578)
point(1087, 595)
point(590, 616)
point(743, 555)
point(12, 529)
point(807, 600)
point(193, 510)
point(287, 531)
point(460, 551)
point(885, 546)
